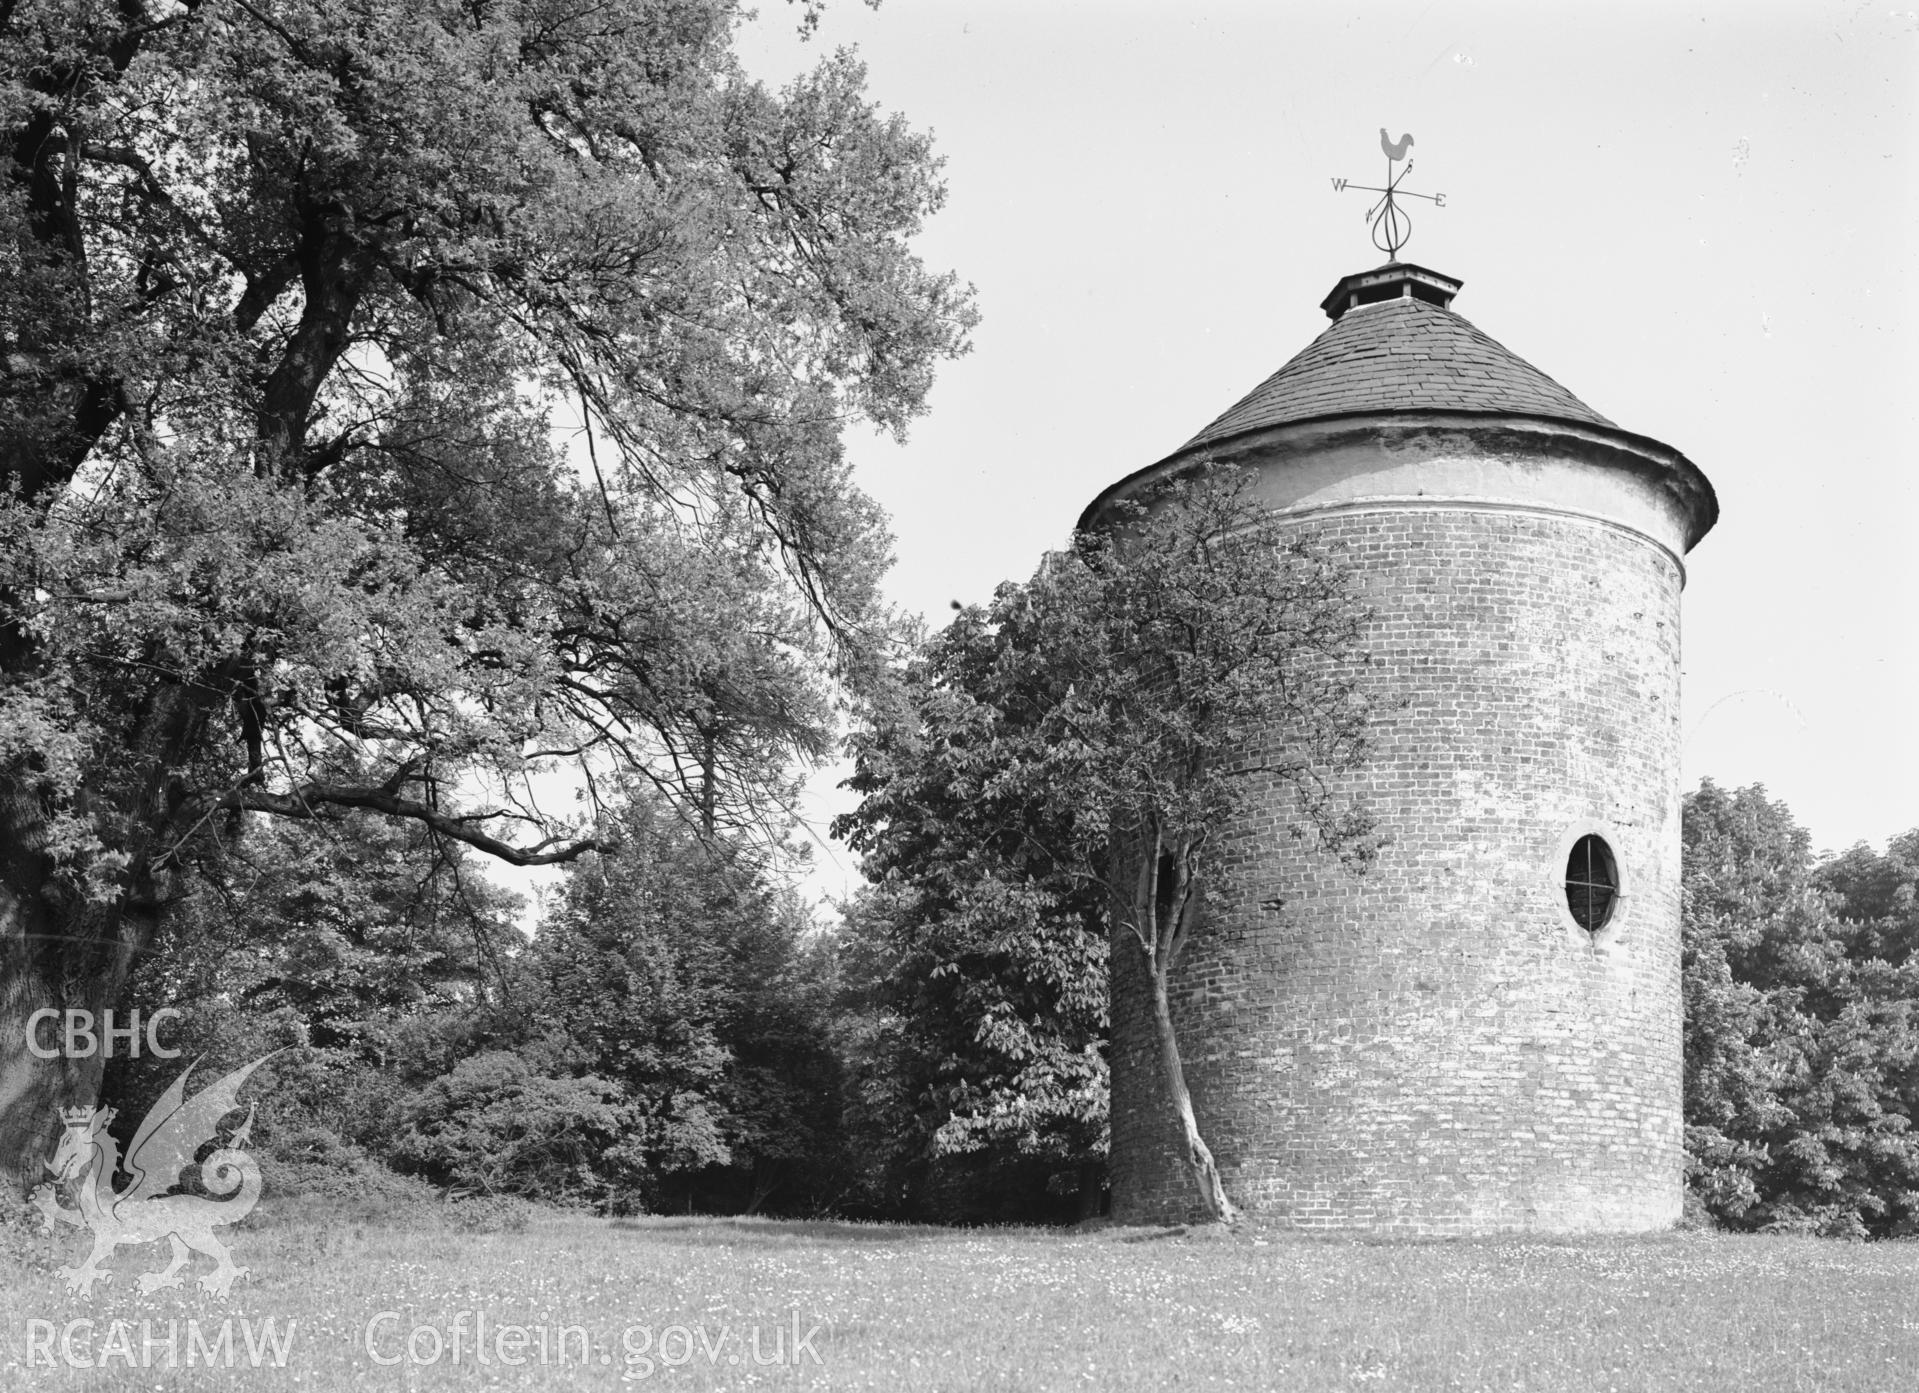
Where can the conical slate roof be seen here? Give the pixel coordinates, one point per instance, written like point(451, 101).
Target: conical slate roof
point(1395, 346)
point(1401, 354)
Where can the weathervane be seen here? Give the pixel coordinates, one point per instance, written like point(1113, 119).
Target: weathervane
point(1392, 225)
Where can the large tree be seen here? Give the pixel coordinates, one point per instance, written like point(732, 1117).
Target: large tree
point(300, 304)
point(350, 944)
point(678, 972)
point(1802, 1025)
point(978, 950)
point(1074, 753)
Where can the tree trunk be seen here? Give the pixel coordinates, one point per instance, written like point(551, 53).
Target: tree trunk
point(1092, 1191)
point(60, 951)
point(765, 1182)
point(33, 1090)
point(58, 400)
point(1212, 1194)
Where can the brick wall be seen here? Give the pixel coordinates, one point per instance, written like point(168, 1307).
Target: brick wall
point(1435, 1047)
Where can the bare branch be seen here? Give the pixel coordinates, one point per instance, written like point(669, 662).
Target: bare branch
point(305, 802)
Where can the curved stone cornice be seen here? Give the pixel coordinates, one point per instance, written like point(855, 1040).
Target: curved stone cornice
point(1514, 460)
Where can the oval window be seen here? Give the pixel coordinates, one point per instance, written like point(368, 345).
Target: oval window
point(1592, 883)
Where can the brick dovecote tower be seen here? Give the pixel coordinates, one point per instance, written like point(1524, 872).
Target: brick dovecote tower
point(1483, 1033)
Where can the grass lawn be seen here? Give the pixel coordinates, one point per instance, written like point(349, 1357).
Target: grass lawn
point(679, 1304)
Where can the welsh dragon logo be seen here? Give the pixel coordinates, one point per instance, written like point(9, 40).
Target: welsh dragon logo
point(169, 1135)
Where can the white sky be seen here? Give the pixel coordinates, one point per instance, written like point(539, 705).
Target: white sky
point(1700, 220)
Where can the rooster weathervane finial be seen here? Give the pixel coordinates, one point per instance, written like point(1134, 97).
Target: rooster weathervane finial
point(1392, 225)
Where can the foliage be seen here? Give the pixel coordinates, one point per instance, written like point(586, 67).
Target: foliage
point(493, 1126)
point(320, 1179)
point(350, 922)
point(1878, 898)
point(303, 301)
point(356, 955)
point(664, 1036)
point(1069, 758)
point(663, 1039)
point(975, 935)
point(678, 973)
point(23, 1241)
point(945, 1119)
point(1802, 1038)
